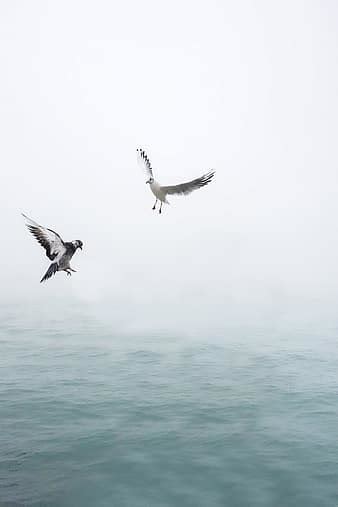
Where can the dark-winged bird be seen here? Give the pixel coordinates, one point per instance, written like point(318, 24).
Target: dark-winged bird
point(161, 192)
point(57, 250)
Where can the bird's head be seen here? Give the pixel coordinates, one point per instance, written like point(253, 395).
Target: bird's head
point(78, 244)
point(151, 180)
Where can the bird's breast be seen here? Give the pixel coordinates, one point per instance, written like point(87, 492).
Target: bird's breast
point(156, 190)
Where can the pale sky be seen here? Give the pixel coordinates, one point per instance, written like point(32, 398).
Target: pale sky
point(249, 88)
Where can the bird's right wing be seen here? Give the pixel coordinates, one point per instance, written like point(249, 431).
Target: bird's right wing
point(144, 162)
point(190, 186)
point(48, 239)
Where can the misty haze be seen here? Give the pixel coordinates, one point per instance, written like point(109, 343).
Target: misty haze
point(192, 358)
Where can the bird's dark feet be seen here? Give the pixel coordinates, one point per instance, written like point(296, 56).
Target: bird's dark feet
point(160, 211)
point(154, 207)
point(68, 273)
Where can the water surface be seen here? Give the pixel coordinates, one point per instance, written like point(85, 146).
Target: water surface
point(93, 417)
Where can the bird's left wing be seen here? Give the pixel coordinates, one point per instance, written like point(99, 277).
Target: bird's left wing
point(144, 162)
point(190, 186)
point(48, 239)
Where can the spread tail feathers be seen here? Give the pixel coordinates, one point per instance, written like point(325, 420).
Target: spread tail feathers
point(50, 272)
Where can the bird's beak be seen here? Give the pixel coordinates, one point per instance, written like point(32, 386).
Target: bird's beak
point(81, 247)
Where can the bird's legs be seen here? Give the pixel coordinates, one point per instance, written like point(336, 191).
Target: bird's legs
point(154, 207)
point(68, 272)
point(160, 210)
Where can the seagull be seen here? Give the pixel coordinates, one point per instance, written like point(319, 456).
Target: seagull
point(161, 192)
point(58, 251)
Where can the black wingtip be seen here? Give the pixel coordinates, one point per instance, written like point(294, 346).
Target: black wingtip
point(207, 178)
point(211, 173)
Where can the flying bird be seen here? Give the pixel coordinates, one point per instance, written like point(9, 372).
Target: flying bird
point(161, 192)
point(57, 250)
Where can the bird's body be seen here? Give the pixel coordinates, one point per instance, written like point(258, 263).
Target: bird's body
point(160, 191)
point(64, 262)
point(57, 250)
point(156, 189)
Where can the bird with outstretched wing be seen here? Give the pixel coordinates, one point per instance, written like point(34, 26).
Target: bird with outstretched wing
point(160, 191)
point(57, 250)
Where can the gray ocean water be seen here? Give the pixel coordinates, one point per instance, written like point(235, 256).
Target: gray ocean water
point(93, 417)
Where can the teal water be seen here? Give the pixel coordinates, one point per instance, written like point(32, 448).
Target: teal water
point(91, 417)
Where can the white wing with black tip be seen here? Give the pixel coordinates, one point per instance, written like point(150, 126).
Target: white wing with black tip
point(144, 162)
point(48, 239)
point(190, 186)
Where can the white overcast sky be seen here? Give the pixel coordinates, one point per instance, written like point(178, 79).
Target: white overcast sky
point(249, 88)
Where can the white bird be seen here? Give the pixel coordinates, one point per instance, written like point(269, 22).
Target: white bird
point(161, 192)
point(57, 250)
